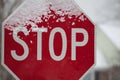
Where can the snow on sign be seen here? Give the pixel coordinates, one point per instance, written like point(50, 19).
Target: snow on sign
point(48, 40)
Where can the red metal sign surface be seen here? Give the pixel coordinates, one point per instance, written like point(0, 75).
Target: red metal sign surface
point(48, 40)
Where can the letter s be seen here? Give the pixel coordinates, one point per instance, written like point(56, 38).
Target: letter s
point(21, 42)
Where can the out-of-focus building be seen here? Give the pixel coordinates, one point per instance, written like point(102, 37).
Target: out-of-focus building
point(105, 15)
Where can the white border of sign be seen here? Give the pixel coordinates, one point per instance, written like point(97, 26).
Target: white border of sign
point(91, 68)
point(2, 50)
point(2, 53)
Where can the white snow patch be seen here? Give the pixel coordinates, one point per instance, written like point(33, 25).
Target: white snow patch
point(62, 19)
point(73, 23)
point(10, 33)
point(31, 41)
point(32, 13)
point(70, 17)
point(49, 27)
point(82, 18)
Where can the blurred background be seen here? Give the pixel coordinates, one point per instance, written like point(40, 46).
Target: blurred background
point(105, 14)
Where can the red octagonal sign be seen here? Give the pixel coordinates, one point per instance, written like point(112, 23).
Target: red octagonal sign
point(48, 40)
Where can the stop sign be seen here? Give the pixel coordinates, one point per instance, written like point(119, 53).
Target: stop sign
point(48, 40)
